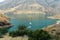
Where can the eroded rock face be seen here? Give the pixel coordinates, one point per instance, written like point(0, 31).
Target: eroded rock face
point(3, 18)
point(53, 29)
point(4, 21)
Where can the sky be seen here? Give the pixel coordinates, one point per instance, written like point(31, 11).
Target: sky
point(1, 0)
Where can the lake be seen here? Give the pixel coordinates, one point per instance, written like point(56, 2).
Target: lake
point(32, 22)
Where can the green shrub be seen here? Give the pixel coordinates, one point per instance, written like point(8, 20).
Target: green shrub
point(33, 35)
point(3, 30)
point(22, 30)
point(40, 35)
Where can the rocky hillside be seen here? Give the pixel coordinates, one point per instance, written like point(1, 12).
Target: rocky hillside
point(46, 7)
point(19, 6)
point(4, 21)
point(55, 16)
point(54, 29)
point(27, 6)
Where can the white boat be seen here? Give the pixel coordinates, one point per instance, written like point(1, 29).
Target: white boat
point(30, 23)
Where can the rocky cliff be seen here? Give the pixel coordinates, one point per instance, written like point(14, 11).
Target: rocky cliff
point(53, 29)
point(4, 21)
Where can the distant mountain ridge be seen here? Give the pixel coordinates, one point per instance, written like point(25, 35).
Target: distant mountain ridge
point(19, 6)
point(25, 6)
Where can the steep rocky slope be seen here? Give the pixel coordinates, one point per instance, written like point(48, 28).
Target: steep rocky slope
point(53, 29)
point(4, 21)
point(18, 6)
point(25, 6)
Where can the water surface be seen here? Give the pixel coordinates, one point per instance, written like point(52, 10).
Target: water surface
point(32, 22)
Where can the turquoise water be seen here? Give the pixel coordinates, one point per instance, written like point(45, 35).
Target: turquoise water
point(32, 24)
point(32, 21)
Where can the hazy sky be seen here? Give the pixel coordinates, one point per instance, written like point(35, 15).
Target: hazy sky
point(2, 0)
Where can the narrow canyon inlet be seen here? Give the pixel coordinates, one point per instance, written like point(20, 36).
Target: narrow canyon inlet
point(29, 19)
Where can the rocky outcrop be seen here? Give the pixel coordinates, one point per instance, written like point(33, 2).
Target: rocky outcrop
point(53, 29)
point(57, 16)
point(4, 21)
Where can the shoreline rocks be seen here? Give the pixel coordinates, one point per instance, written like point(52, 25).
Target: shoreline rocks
point(4, 21)
point(53, 29)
